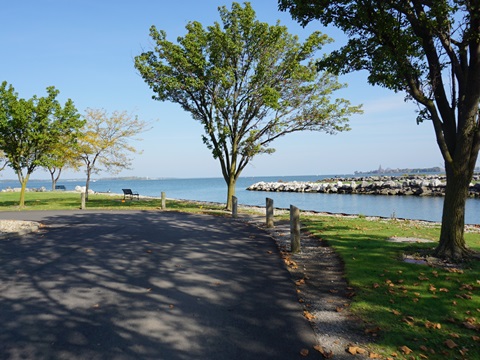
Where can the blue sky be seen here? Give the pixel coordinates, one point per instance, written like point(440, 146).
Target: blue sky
point(85, 48)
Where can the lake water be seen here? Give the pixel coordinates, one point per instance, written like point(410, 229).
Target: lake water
point(215, 190)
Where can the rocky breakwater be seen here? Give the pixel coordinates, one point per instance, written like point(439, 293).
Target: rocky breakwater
point(9, 189)
point(430, 185)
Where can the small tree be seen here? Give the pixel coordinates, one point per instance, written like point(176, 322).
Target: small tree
point(431, 51)
point(247, 82)
point(30, 130)
point(64, 155)
point(105, 141)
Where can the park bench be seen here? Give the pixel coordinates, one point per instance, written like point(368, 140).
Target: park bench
point(60, 187)
point(130, 193)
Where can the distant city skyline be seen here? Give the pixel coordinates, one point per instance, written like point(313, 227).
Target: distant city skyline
point(86, 49)
point(388, 170)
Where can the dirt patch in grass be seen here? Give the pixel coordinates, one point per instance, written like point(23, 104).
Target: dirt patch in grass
point(409, 240)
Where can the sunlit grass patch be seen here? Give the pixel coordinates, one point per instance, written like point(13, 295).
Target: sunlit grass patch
point(70, 201)
point(432, 311)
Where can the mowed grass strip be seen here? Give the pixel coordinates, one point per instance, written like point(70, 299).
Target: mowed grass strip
point(415, 311)
point(58, 200)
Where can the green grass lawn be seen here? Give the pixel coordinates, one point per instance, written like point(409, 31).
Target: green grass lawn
point(434, 312)
point(59, 200)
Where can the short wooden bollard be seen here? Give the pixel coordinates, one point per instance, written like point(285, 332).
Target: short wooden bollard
point(82, 201)
point(234, 207)
point(294, 229)
point(164, 206)
point(269, 213)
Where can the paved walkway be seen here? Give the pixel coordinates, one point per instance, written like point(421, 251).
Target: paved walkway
point(146, 285)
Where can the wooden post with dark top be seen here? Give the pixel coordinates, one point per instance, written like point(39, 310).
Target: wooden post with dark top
point(269, 213)
point(294, 229)
point(234, 207)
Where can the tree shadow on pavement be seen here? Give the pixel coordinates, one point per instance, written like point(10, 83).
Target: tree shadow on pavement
point(147, 285)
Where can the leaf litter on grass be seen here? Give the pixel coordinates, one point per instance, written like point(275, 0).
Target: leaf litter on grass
point(411, 303)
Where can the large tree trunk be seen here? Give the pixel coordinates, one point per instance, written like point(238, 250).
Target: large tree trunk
point(231, 184)
point(22, 194)
point(452, 241)
point(23, 183)
point(54, 181)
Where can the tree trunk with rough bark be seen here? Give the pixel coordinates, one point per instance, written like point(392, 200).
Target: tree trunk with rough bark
point(231, 185)
point(54, 181)
point(22, 193)
point(452, 242)
point(23, 182)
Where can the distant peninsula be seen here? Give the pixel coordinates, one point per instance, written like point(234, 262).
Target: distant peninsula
point(124, 178)
point(131, 178)
point(382, 171)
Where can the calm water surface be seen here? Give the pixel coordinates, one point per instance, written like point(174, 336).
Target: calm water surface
point(214, 189)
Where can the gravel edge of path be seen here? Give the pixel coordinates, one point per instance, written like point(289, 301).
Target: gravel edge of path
point(317, 272)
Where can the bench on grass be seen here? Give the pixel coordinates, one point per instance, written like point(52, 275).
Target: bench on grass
point(60, 187)
point(129, 193)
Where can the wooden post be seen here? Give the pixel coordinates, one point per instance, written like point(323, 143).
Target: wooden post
point(234, 207)
point(164, 206)
point(294, 229)
point(82, 199)
point(269, 213)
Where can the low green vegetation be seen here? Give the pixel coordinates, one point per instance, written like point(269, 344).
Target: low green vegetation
point(414, 310)
point(71, 201)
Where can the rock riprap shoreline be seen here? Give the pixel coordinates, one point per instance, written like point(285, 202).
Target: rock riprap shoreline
point(428, 185)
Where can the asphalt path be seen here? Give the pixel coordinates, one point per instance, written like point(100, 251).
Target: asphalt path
point(146, 285)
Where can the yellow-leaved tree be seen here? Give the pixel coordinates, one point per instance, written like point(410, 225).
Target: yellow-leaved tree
point(64, 155)
point(104, 144)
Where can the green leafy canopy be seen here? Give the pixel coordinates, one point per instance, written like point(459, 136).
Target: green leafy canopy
point(431, 51)
point(30, 130)
point(246, 81)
